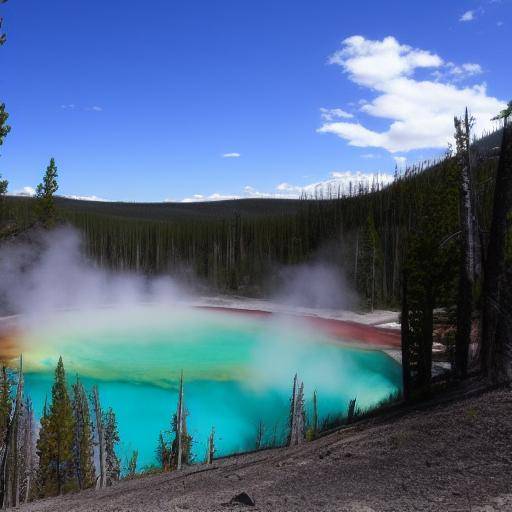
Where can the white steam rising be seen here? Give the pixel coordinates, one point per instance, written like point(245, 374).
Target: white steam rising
point(314, 285)
point(48, 271)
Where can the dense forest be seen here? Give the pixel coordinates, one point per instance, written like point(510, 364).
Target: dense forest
point(240, 246)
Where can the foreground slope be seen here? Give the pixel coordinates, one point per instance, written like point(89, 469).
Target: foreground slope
point(452, 457)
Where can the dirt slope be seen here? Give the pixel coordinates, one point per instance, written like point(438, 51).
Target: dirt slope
point(455, 457)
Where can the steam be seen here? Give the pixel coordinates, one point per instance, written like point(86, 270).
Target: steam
point(314, 285)
point(48, 271)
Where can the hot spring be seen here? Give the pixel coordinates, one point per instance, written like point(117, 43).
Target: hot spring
point(238, 371)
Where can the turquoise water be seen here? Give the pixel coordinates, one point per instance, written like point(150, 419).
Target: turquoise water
point(238, 371)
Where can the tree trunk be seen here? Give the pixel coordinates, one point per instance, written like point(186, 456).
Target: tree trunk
point(179, 426)
point(404, 326)
point(102, 478)
point(467, 263)
point(496, 352)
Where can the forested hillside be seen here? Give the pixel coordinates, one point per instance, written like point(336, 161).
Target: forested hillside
point(239, 246)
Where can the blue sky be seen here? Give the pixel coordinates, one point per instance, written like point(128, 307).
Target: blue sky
point(141, 100)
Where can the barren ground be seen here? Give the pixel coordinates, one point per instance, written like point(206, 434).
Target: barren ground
point(452, 457)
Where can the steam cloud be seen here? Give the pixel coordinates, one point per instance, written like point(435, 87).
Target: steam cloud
point(314, 285)
point(47, 271)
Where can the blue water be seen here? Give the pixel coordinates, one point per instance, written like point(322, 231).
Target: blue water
point(238, 371)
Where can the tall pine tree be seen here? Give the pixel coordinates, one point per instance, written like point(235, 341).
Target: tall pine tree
point(56, 438)
point(45, 192)
point(83, 447)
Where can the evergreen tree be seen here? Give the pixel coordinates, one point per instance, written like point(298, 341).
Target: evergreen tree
point(56, 439)
point(112, 464)
point(4, 127)
point(186, 441)
point(181, 448)
point(132, 464)
point(83, 445)
point(163, 453)
point(45, 194)
point(312, 431)
point(4, 130)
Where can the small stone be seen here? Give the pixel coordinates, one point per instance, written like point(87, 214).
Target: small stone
point(243, 499)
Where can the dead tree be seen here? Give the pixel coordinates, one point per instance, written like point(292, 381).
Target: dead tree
point(297, 414)
point(468, 244)
point(496, 352)
point(210, 449)
point(260, 433)
point(179, 425)
point(101, 481)
point(12, 459)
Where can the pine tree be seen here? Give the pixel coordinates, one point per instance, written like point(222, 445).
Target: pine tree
point(112, 463)
point(83, 445)
point(45, 194)
point(56, 439)
point(4, 129)
point(101, 481)
point(163, 453)
point(312, 431)
point(132, 464)
point(496, 353)
point(181, 448)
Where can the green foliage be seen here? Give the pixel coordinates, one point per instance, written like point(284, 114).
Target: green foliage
point(163, 453)
point(4, 130)
point(113, 466)
point(132, 464)
point(45, 194)
point(56, 439)
point(83, 446)
point(505, 113)
point(312, 431)
point(186, 442)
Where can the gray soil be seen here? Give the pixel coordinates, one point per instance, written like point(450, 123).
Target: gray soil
point(452, 457)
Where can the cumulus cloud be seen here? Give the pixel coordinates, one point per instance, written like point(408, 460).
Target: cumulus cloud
point(467, 16)
point(329, 114)
point(231, 155)
point(420, 111)
point(86, 198)
point(338, 182)
point(25, 191)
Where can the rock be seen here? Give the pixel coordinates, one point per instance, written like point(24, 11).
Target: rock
point(243, 499)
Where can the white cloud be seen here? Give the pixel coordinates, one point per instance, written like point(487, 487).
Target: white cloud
point(231, 155)
point(25, 191)
point(86, 198)
point(329, 114)
point(72, 106)
point(337, 183)
point(468, 16)
point(420, 111)
point(459, 72)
